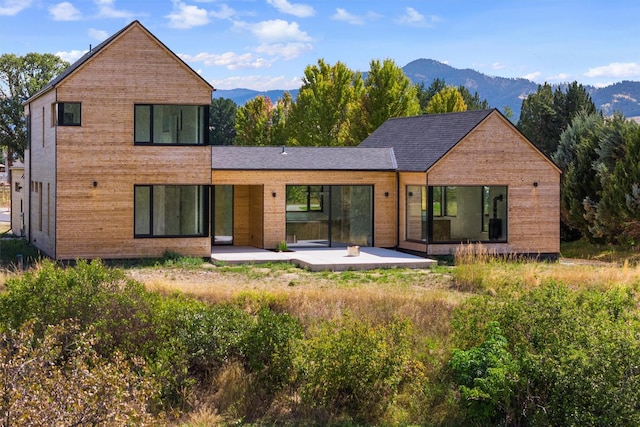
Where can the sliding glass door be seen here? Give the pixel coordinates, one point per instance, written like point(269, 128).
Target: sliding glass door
point(336, 215)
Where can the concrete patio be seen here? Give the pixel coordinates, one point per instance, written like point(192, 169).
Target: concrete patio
point(321, 259)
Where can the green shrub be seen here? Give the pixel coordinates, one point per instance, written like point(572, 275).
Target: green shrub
point(486, 375)
point(355, 368)
point(270, 346)
point(577, 353)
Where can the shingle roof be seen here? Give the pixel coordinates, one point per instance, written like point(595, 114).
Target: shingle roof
point(302, 158)
point(94, 51)
point(420, 141)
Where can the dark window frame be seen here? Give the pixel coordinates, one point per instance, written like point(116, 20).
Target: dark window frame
point(202, 131)
point(204, 211)
point(62, 117)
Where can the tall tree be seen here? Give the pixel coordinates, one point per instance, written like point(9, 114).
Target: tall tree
point(20, 78)
point(448, 100)
point(426, 93)
point(325, 106)
point(576, 155)
point(473, 102)
point(388, 92)
point(222, 121)
point(253, 122)
point(545, 114)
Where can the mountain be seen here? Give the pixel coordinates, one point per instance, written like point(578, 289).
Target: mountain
point(498, 91)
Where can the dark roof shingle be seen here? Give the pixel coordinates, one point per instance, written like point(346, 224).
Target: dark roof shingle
point(302, 158)
point(420, 141)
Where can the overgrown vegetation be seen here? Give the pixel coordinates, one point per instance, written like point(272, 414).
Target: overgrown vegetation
point(506, 342)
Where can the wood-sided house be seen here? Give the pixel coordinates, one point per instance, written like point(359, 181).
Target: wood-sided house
point(471, 177)
point(118, 166)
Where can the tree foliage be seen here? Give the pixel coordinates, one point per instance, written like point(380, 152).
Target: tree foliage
point(388, 92)
point(20, 78)
point(448, 100)
point(325, 106)
point(222, 121)
point(545, 114)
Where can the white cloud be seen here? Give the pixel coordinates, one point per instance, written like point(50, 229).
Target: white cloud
point(343, 15)
point(349, 18)
point(229, 60)
point(414, 18)
point(258, 83)
point(274, 31)
point(13, 7)
point(185, 16)
point(532, 76)
point(71, 56)
point(300, 10)
point(287, 51)
point(64, 12)
point(97, 34)
point(106, 9)
point(562, 77)
point(225, 12)
point(615, 69)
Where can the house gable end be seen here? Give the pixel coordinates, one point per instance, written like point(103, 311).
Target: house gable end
point(99, 50)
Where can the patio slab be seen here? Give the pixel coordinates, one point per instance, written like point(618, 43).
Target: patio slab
point(322, 259)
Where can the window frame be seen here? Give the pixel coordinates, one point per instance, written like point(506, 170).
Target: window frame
point(203, 132)
point(60, 114)
point(204, 212)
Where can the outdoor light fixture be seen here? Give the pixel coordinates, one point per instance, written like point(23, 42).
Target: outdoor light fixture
point(535, 183)
point(95, 183)
point(386, 194)
point(273, 193)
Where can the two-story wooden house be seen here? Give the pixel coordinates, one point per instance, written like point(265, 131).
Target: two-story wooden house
point(119, 166)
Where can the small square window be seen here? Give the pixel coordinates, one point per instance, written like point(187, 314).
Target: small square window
point(69, 114)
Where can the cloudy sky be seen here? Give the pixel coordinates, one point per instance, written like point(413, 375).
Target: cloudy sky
point(266, 44)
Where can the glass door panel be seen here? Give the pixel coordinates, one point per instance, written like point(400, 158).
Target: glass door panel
point(223, 215)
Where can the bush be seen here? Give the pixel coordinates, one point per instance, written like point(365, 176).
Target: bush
point(269, 347)
point(577, 354)
point(354, 367)
point(62, 381)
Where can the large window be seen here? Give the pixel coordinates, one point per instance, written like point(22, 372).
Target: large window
point(329, 215)
point(453, 214)
point(170, 211)
point(172, 124)
point(69, 114)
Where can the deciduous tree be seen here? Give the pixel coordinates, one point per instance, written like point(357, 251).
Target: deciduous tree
point(20, 78)
point(388, 92)
point(325, 106)
point(448, 100)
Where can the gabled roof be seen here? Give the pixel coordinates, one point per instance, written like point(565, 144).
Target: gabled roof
point(302, 158)
point(95, 50)
point(420, 141)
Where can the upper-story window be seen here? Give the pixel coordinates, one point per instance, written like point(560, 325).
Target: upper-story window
point(171, 124)
point(69, 113)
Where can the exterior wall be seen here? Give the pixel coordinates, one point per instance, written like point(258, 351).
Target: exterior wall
point(40, 175)
point(405, 179)
point(273, 221)
point(496, 154)
point(17, 201)
point(98, 220)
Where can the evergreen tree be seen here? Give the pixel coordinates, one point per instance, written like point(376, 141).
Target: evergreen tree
point(222, 121)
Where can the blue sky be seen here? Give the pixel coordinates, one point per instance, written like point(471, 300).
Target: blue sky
point(266, 44)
